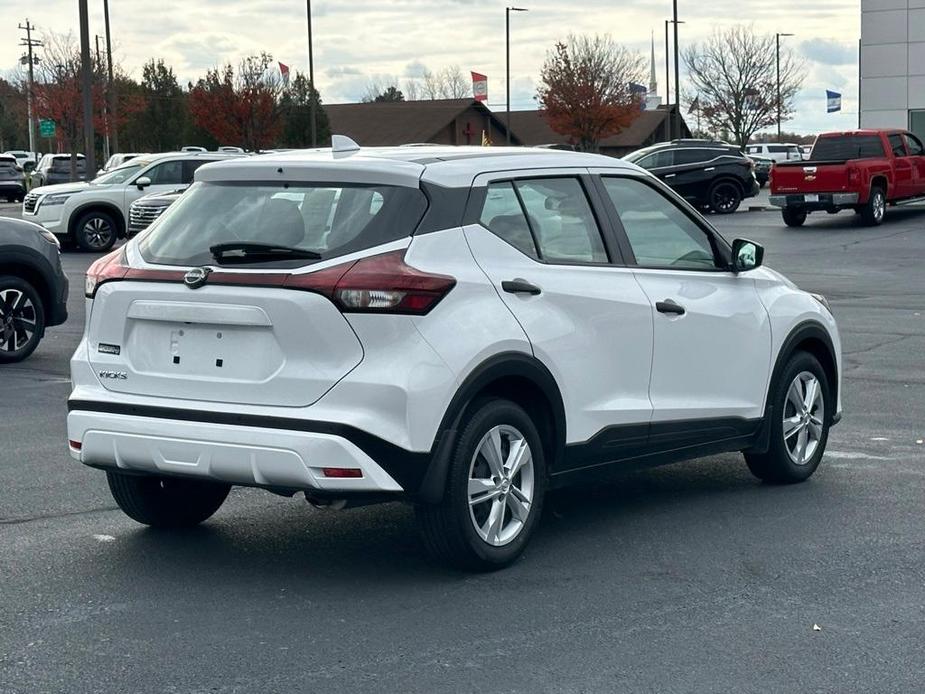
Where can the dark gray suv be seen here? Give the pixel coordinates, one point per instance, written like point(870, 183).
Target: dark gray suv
point(33, 287)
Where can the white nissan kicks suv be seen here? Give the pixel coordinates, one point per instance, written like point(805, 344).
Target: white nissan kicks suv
point(461, 328)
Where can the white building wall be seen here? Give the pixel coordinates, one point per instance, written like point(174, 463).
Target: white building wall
point(892, 62)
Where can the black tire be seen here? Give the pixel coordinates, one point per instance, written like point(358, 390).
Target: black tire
point(166, 502)
point(22, 319)
point(776, 465)
point(794, 217)
point(725, 197)
point(873, 212)
point(449, 528)
point(96, 231)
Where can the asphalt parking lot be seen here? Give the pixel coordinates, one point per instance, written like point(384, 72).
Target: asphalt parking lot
point(692, 578)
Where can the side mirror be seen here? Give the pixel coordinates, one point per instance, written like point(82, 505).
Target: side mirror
point(746, 255)
point(143, 182)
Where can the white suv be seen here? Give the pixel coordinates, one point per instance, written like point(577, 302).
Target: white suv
point(461, 328)
point(783, 152)
point(94, 214)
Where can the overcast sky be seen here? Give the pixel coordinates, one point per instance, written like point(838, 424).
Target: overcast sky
point(360, 40)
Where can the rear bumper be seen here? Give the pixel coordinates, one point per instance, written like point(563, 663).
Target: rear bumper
point(822, 201)
point(149, 441)
point(12, 188)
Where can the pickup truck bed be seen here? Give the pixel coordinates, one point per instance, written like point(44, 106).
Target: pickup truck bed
point(861, 170)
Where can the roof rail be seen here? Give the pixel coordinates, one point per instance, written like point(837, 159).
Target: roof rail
point(341, 144)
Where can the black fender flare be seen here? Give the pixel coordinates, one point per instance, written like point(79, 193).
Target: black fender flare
point(493, 369)
point(107, 207)
point(807, 330)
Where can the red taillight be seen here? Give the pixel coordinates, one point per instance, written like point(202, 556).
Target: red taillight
point(342, 472)
point(378, 284)
point(854, 176)
point(110, 267)
point(76, 445)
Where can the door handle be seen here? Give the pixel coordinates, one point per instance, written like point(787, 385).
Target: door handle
point(669, 306)
point(670, 175)
point(712, 168)
point(520, 286)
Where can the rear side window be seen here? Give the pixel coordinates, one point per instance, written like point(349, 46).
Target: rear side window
point(504, 217)
point(914, 145)
point(329, 219)
point(845, 147)
point(189, 168)
point(694, 156)
point(753, 149)
point(897, 145)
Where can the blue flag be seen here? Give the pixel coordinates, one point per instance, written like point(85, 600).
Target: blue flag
point(833, 101)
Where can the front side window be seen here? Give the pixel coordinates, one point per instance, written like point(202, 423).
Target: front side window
point(694, 156)
point(504, 217)
point(166, 173)
point(330, 220)
point(660, 233)
point(120, 175)
point(561, 219)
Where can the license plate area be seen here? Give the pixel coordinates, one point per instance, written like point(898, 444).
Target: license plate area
point(811, 197)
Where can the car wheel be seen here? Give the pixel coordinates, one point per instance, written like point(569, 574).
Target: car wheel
point(801, 412)
point(793, 217)
point(95, 232)
point(166, 502)
point(875, 210)
point(725, 197)
point(22, 319)
point(494, 491)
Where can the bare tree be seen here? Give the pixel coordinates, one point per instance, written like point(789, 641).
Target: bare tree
point(733, 77)
point(411, 90)
point(585, 89)
point(453, 83)
point(431, 88)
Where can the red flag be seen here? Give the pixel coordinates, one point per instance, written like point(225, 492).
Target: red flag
point(284, 71)
point(479, 87)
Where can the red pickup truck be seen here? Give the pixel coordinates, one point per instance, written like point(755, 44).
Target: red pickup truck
point(861, 170)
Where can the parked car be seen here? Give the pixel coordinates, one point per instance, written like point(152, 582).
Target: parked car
point(12, 179)
point(95, 214)
point(53, 169)
point(145, 210)
point(117, 160)
point(776, 152)
point(712, 175)
point(862, 170)
point(25, 159)
point(33, 287)
point(762, 169)
point(462, 329)
point(806, 151)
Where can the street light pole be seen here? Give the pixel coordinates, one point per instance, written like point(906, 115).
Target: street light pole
point(112, 131)
point(777, 64)
point(677, 70)
point(30, 43)
point(507, 70)
point(86, 87)
point(668, 81)
point(312, 115)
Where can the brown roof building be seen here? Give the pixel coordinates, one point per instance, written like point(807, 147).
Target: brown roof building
point(647, 129)
point(443, 121)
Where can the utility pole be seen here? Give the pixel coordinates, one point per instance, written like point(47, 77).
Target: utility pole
point(86, 88)
point(30, 43)
point(507, 69)
point(677, 69)
point(111, 130)
point(777, 63)
point(105, 109)
point(311, 77)
point(667, 87)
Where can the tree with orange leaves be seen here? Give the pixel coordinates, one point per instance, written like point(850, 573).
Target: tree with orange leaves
point(239, 108)
point(585, 89)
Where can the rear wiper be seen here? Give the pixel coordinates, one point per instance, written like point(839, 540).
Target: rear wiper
point(259, 252)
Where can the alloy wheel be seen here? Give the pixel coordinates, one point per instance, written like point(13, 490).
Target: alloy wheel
point(501, 485)
point(804, 414)
point(879, 205)
point(97, 232)
point(17, 320)
point(725, 198)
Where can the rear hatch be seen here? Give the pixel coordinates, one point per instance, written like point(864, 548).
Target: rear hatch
point(9, 170)
point(243, 337)
point(227, 344)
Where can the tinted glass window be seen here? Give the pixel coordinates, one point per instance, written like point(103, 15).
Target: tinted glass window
point(694, 156)
point(331, 220)
point(660, 234)
point(777, 149)
point(915, 146)
point(503, 216)
point(189, 168)
point(166, 173)
point(562, 221)
point(897, 145)
point(844, 147)
point(63, 164)
point(657, 160)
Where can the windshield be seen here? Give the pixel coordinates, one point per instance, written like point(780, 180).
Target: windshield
point(330, 219)
point(120, 175)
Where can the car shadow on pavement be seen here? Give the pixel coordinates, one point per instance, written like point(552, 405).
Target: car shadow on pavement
point(272, 540)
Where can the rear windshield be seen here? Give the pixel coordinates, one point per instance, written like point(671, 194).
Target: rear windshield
point(63, 165)
point(330, 219)
point(845, 147)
